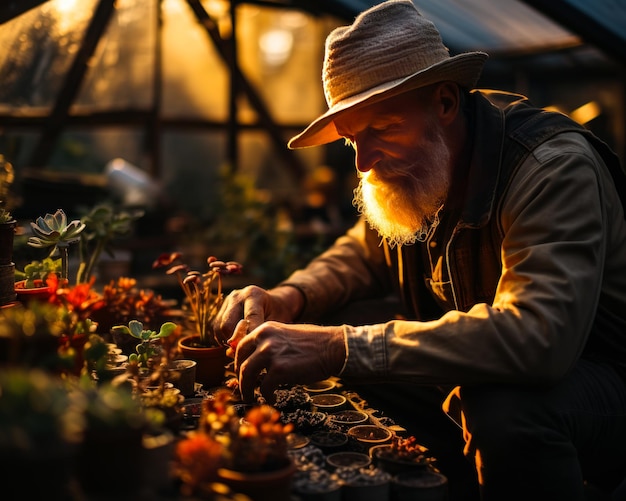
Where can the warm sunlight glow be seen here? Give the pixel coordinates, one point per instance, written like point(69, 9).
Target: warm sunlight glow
point(586, 113)
point(172, 7)
point(276, 46)
point(69, 14)
point(65, 6)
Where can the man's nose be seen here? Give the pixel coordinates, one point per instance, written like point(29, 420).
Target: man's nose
point(366, 157)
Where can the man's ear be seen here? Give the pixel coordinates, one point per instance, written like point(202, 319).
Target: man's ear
point(448, 101)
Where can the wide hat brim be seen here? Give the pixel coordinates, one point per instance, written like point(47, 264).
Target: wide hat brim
point(463, 69)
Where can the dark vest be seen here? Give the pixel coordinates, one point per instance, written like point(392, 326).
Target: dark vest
point(506, 129)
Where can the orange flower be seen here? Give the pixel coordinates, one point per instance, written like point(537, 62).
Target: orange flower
point(197, 459)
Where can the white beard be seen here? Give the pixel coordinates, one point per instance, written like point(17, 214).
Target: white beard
point(402, 202)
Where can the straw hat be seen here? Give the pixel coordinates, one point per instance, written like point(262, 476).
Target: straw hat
point(389, 49)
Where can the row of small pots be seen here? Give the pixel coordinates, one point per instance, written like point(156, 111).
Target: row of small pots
point(356, 476)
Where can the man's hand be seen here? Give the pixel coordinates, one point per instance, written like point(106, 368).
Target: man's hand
point(254, 306)
point(287, 354)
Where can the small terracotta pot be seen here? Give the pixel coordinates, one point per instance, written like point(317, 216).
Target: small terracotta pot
point(40, 293)
point(211, 361)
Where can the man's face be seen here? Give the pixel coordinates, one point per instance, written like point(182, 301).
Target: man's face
point(404, 166)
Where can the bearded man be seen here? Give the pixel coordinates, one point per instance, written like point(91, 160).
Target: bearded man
point(501, 227)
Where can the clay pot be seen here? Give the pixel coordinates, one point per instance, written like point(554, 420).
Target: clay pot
point(210, 361)
point(185, 376)
point(40, 293)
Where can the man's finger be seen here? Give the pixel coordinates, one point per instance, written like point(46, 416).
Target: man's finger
point(253, 312)
point(242, 328)
point(249, 374)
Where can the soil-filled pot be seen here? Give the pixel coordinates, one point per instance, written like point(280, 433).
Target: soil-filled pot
point(184, 377)
point(384, 458)
point(210, 362)
point(39, 293)
point(316, 484)
point(364, 484)
point(272, 485)
point(425, 485)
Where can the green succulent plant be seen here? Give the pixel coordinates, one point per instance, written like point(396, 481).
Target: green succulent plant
point(147, 348)
point(38, 270)
point(53, 230)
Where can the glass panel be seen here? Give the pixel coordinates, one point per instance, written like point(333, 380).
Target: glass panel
point(195, 81)
point(281, 52)
point(121, 70)
point(37, 50)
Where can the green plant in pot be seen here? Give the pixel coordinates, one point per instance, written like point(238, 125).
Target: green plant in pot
point(54, 230)
point(149, 348)
point(149, 371)
point(36, 272)
point(203, 297)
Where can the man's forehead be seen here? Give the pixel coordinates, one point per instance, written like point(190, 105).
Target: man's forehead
point(378, 113)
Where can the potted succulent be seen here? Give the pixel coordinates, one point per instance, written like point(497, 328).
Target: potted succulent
point(51, 230)
point(203, 297)
point(54, 230)
point(248, 454)
point(149, 347)
point(32, 282)
point(152, 372)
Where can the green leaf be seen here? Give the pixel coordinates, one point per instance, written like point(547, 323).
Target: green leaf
point(136, 328)
point(166, 329)
point(121, 329)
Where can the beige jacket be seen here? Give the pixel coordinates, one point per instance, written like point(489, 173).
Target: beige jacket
point(560, 292)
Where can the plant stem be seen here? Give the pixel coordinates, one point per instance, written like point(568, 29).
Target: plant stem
point(63, 251)
point(86, 269)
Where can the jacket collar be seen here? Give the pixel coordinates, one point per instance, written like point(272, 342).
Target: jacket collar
point(487, 152)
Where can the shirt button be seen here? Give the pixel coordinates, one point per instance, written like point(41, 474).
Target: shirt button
point(433, 244)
